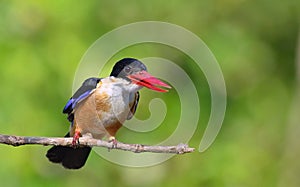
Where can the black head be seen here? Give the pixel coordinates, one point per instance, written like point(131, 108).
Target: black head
point(126, 67)
point(136, 73)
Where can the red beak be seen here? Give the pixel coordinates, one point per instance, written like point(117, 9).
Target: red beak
point(143, 78)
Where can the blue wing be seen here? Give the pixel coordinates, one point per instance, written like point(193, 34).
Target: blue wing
point(83, 92)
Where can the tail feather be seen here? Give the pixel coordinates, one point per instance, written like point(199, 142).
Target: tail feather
point(69, 157)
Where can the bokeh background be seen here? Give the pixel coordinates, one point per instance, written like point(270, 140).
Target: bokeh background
point(255, 42)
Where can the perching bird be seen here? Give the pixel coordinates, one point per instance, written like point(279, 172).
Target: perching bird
point(100, 107)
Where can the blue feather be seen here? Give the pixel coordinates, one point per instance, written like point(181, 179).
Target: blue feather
point(80, 98)
point(69, 104)
point(82, 93)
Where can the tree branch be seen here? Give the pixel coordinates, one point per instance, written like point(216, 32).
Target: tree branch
point(88, 141)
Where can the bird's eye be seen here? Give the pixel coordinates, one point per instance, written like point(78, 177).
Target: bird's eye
point(127, 69)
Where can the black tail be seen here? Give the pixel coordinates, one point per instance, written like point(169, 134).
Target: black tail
point(69, 157)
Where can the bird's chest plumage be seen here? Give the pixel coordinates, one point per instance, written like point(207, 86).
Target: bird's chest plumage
point(105, 110)
point(112, 102)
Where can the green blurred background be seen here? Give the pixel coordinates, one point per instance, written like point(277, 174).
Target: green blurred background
point(255, 42)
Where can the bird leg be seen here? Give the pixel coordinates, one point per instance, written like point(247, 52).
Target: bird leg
point(114, 141)
point(76, 136)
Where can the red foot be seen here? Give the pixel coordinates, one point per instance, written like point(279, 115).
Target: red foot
point(75, 141)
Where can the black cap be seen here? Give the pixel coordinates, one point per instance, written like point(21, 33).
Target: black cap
point(127, 66)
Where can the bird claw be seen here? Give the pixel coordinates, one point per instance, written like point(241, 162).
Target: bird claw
point(75, 141)
point(114, 142)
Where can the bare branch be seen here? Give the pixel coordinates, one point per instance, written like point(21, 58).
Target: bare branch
point(88, 141)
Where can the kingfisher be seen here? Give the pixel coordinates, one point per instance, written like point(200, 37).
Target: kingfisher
point(100, 107)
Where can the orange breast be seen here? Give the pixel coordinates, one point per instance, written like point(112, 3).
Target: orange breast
point(91, 117)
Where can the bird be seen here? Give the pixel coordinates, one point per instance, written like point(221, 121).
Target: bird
point(100, 107)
